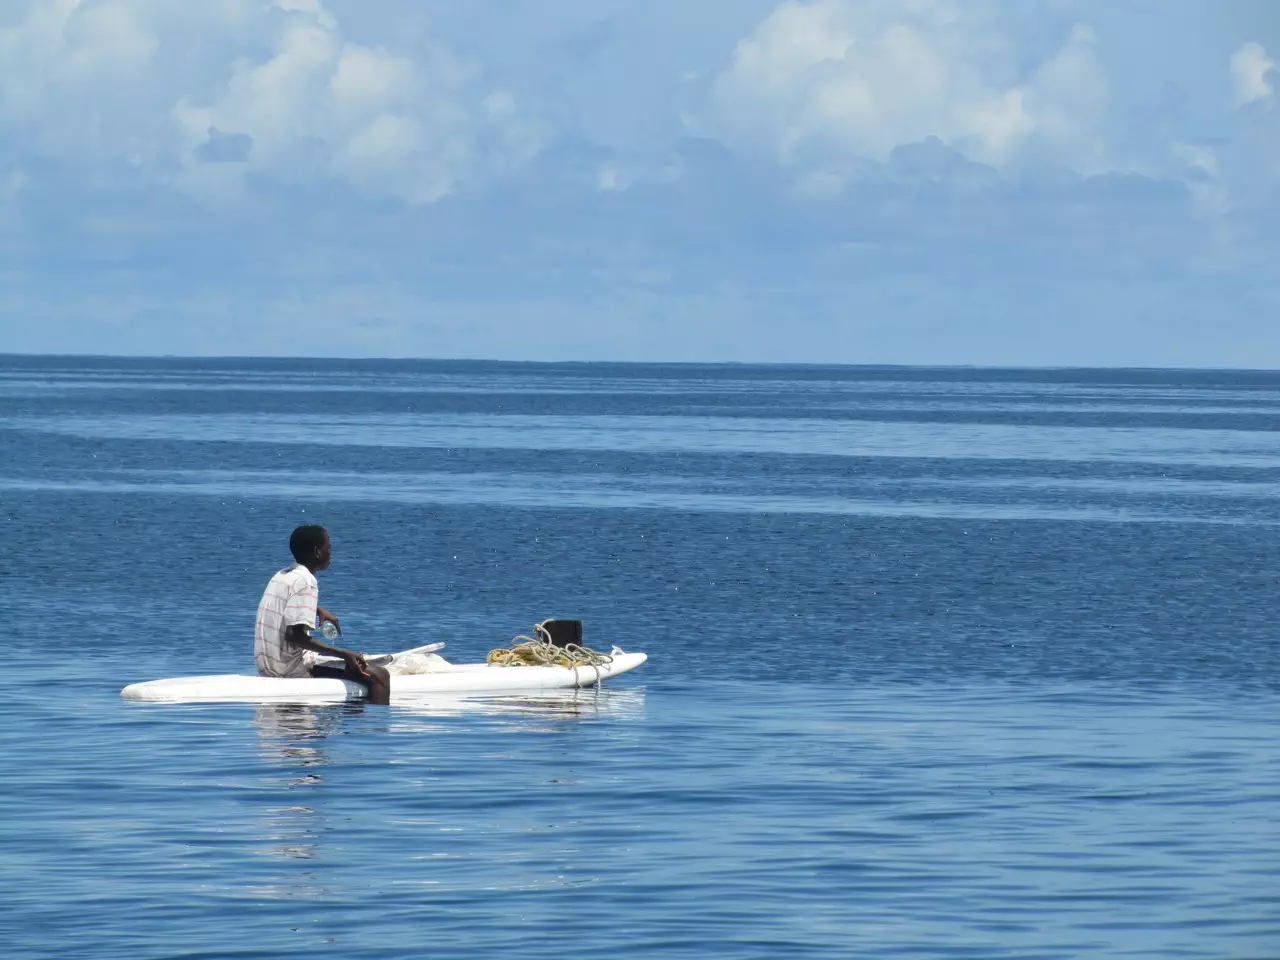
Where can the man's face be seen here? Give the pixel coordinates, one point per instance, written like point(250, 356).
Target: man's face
point(323, 554)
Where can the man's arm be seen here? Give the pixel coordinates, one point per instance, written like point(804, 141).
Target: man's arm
point(375, 678)
point(297, 634)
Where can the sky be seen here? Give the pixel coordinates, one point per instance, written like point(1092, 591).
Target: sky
point(1026, 182)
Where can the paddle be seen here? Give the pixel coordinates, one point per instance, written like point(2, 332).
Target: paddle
point(384, 659)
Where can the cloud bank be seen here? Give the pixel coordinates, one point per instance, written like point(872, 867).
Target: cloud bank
point(273, 90)
point(838, 80)
point(858, 180)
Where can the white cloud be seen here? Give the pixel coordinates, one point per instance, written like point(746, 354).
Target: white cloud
point(1234, 182)
point(367, 79)
point(157, 82)
point(1252, 71)
point(609, 179)
point(831, 80)
point(65, 44)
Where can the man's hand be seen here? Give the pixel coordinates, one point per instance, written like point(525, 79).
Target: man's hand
point(327, 617)
point(356, 662)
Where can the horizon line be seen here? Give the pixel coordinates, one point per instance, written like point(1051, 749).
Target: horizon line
point(636, 363)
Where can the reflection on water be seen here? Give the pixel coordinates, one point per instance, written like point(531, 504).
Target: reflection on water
point(294, 744)
point(292, 734)
point(291, 740)
point(588, 703)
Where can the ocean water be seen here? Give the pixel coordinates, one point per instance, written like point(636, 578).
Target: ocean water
point(943, 662)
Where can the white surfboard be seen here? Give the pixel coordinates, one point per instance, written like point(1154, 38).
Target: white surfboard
point(443, 678)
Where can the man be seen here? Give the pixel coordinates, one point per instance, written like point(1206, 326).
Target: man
point(283, 645)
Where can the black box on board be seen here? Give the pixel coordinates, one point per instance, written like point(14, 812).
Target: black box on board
point(561, 633)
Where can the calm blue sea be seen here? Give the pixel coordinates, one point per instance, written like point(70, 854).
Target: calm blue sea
point(944, 662)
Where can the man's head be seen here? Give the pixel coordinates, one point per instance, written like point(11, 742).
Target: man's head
point(309, 545)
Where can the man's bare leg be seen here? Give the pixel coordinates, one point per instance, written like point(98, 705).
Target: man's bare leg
point(376, 679)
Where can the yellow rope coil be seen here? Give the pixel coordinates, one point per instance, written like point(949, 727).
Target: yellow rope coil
point(541, 652)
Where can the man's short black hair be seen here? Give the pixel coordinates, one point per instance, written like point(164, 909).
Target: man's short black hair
point(306, 540)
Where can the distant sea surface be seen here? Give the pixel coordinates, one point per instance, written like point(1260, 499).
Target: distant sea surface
point(944, 663)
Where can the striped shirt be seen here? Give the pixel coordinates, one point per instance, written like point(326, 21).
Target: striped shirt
point(290, 598)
